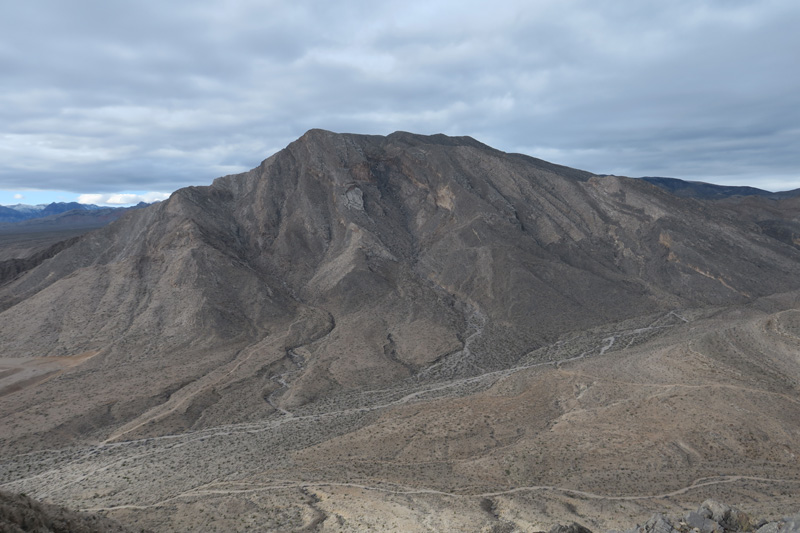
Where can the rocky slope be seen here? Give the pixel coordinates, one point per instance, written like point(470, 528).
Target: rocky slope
point(19, 513)
point(710, 517)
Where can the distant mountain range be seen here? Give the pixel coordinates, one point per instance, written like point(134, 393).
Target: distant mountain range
point(709, 191)
point(22, 212)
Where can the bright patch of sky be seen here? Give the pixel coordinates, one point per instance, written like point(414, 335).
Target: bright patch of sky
point(37, 197)
point(119, 199)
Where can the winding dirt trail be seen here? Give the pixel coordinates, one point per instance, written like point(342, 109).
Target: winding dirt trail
point(405, 490)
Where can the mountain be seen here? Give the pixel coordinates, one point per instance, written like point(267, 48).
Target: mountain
point(8, 214)
point(407, 325)
point(64, 219)
point(21, 212)
point(776, 213)
point(26, 208)
point(710, 191)
point(26, 243)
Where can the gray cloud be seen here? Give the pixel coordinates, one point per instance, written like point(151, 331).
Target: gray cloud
point(104, 96)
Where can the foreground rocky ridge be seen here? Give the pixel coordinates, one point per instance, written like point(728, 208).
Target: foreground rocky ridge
point(710, 517)
point(20, 513)
point(716, 517)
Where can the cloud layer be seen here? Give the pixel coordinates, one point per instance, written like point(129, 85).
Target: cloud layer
point(108, 96)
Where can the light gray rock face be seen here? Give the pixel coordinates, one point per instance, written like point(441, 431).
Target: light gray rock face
point(789, 524)
point(354, 199)
point(572, 528)
point(657, 524)
point(705, 525)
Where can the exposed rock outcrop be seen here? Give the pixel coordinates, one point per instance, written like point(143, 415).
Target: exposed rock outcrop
point(715, 517)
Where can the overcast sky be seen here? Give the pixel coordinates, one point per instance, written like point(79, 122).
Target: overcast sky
point(100, 98)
